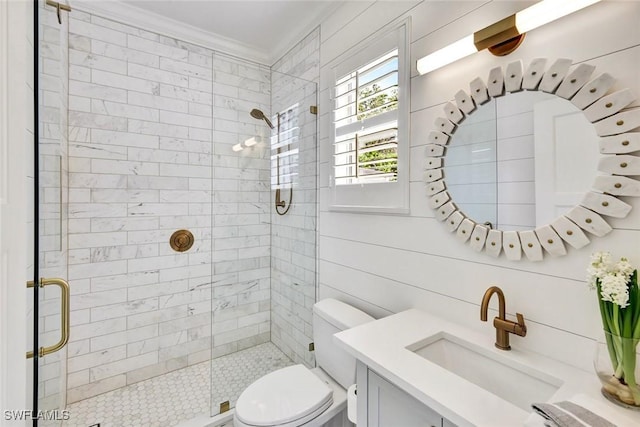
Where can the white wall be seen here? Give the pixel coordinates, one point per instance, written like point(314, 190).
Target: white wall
point(415, 262)
point(16, 219)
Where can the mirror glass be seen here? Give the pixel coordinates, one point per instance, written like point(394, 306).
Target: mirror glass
point(521, 160)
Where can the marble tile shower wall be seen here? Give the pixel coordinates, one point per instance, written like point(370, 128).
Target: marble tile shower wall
point(152, 121)
point(293, 257)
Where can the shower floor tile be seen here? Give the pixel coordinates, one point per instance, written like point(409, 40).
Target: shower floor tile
point(180, 395)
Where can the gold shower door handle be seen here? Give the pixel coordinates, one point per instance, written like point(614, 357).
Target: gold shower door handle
point(64, 315)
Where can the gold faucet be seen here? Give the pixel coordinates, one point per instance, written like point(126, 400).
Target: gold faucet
point(503, 326)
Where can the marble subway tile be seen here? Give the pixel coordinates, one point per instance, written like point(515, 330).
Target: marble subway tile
point(184, 68)
point(97, 32)
point(186, 94)
point(97, 62)
point(97, 151)
point(159, 289)
point(122, 310)
point(125, 337)
point(79, 42)
point(200, 85)
point(157, 209)
point(92, 240)
point(157, 316)
point(186, 120)
point(78, 73)
point(156, 101)
point(119, 281)
point(115, 253)
point(107, 370)
point(157, 182)
point(96, 388)
point(123, 82)
point(123, 224)
point(91, 90)
point(185, 145)
point(156, 155)
point(144, 45)
point(123, 110)
point(171, 274)
point(118, 52)
point(100, 195)
point(158, 75)
point(168, 170)
point(95, 210)
point(159, 129)
point(97, 121)
point(123, 167)
point(201, 134)
point(97, 299)
point(141, 347)
point(124, 139)
point(77, 379)
point(90, 360)
point(151, 264)
point(83, 271)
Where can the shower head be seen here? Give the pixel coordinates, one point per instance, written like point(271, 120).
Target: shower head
point(257, 114)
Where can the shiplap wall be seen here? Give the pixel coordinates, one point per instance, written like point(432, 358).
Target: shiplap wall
point(386, 264)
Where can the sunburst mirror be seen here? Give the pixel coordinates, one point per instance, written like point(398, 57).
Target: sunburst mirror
point(481, 215)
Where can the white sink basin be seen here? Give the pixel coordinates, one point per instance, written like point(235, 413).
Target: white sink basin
point(516, 383)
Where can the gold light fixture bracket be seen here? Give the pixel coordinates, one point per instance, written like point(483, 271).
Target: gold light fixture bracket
point(181, 240)
point(500, 38)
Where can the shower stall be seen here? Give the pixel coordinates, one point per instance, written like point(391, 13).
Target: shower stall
point(160, 203)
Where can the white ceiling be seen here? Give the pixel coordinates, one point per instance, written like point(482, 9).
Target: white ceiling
point(270, 27)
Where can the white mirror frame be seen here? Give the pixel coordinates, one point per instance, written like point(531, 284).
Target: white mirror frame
point(612, 125)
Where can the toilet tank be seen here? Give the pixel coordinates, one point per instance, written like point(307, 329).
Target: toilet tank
point(329, 317)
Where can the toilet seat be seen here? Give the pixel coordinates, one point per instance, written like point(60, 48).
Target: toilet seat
point(288, 397)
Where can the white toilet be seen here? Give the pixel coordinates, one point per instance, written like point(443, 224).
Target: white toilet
point(297, 395)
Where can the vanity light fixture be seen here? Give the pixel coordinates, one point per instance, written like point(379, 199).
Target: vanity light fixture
point(504, 36)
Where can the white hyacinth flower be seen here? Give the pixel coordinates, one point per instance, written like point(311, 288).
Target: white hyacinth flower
point(615, 290)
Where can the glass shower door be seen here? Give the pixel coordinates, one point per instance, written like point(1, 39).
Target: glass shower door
point(265, 226)
point(50, 290)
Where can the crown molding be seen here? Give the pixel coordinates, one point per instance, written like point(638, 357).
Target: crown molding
point(303, 31)
point(150, 21)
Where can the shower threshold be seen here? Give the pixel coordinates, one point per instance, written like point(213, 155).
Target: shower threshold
point(181, 395)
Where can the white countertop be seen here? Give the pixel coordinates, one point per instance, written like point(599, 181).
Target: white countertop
point(382, 346)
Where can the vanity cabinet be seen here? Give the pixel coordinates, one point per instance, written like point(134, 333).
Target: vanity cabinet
point(383, 404)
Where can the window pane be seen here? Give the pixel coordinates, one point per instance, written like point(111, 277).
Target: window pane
point(374, 73)
point(366, 150)
point(377, 101)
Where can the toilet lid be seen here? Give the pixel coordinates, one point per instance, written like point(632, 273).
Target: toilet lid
point(282, 396)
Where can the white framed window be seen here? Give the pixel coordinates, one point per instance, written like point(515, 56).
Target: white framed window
point(370, 125)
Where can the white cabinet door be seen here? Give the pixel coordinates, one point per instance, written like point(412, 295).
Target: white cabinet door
point(388, 406)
